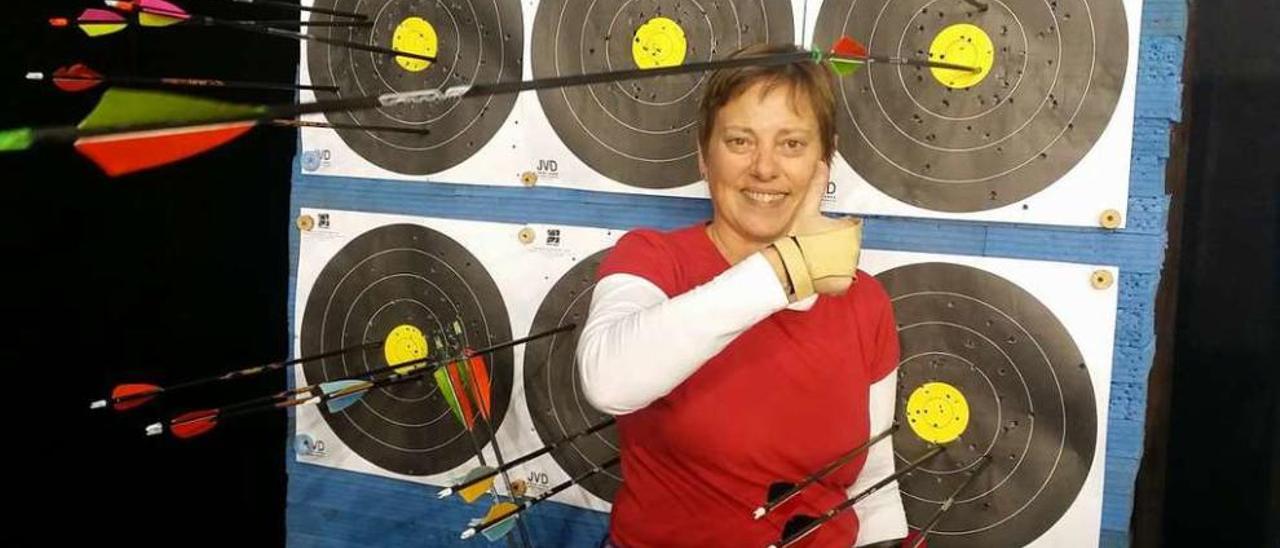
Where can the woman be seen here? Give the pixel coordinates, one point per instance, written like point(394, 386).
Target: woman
point(735, 355)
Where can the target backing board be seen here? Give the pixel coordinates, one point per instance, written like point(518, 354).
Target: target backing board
point(432, 286)
point(1041, 133)
point(639, 136)
point(461, 141)
point(1027, 347)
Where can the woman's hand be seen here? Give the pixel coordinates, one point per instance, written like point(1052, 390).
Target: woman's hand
point(820, 254)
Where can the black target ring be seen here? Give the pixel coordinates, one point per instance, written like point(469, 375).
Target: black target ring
point(641, 133)
point(553, 390)
point(479, 42)
point(1058, 71)
point(1030, 397)
point(410, 275)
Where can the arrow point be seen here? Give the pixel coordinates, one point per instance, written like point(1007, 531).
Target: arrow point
point(98, 404)
point(154, 429)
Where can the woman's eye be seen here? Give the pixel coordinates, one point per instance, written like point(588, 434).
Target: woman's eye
point(736, 142)
point(794, 143)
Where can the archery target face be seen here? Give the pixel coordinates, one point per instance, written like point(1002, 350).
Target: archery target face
point(638, 136)
point(430, 287)
point(553, 390)
point(474, 41)
point(426, 296)
point(1021, 351)
point(1041, 133)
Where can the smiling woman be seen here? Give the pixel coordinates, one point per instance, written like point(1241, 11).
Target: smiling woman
point(717, 344)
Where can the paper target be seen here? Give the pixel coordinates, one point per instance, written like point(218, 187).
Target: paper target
point(426, 295)
point(641, 133)
point(553, 391)
point(475, 42)
point(1051, 78)
point(989, 370)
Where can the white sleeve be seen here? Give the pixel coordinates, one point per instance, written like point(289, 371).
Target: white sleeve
point(638, 345)
point(880, 515)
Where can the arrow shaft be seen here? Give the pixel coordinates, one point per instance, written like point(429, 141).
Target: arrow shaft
point(849, 503)
point(193, 82)
point(827, 470)
point(420, 368)
point(295, 7)
point(525, 505)
point(949, 501)
point(72, 133)
point(291, 122)
point(532, 455)
point(919, 63)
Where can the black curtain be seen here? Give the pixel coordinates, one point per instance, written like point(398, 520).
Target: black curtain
point(1221, 484)
point(157, 277)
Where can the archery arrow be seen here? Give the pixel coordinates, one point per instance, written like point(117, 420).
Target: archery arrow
point(852, 55)
point(498, 521)
point(479, 479)
point(333, 392)
point(132, 130)
point(289, 122)
point(128, 396)
point(781, 492)
point(296, 7)
point(466, 388)
point(801, 526)
point(950, 501)
point(79, 77)
point(160, 13)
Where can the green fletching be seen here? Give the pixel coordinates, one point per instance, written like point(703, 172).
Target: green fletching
point(845, 67)
point(16, 139)
point(124, 107)
point(446, 387)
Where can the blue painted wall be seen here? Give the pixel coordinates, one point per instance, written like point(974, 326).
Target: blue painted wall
point(334, 508)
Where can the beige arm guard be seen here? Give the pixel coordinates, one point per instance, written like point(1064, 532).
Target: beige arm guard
point(815, 262)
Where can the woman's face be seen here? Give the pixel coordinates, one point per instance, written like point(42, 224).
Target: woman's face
point(759, 162)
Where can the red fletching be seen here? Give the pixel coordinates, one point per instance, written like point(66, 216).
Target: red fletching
point(133, 395)
point(130, 152)
point(480, 376)
point(77, 77)
point(462, 394)
point(190, 425)
point(848, 47)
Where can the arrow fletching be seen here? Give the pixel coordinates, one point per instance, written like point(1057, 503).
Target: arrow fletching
point(128, 396)
point(345, 400)
point(473, 492)
point(95, 22)
point(497, 522)
point(75, 78)
point(128, 152)
point(190, 425)
point(846, 54)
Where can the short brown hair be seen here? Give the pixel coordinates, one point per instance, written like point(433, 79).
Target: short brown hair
point(808, 80)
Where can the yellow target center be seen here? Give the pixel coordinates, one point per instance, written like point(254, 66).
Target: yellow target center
point(962, 44)
point(405, 343)
point(937, 412)
point(659, 43)
point(414, 35)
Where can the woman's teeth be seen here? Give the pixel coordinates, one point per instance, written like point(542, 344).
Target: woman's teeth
point(764, 197)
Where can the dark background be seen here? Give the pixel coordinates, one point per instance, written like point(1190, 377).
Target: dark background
point(182, 271)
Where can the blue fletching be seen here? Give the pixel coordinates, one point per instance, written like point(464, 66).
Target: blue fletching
point(338, 404)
